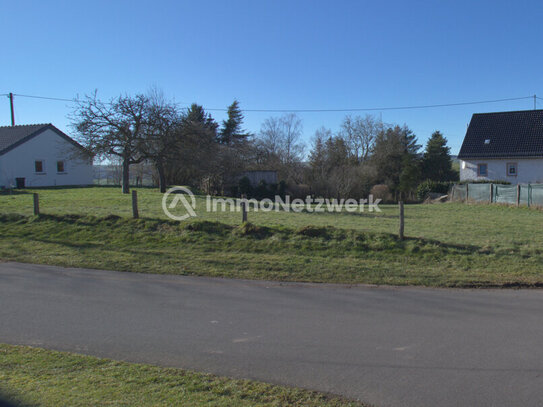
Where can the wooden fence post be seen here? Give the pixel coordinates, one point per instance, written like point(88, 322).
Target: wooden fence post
point(467, 192)
point(518, 194)
point(400, 234)
point(243, 205)
point(491, 192)
point(135, 213)
point(36, 204)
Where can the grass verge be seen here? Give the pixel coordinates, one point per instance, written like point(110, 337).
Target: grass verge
point(34, 376)
point(308, 253)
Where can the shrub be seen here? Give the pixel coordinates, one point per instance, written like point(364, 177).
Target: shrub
point(298, 190)
point(282, 188)
point(382, 192)
point(483, 181)
point(244, 186)
point(261, 191)
point(428, 186)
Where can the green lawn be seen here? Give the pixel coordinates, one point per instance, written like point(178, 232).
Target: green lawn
point(42, 377)
point(448, 244)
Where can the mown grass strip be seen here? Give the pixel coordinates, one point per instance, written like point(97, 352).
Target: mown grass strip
point(307, 253)
point(39, 377)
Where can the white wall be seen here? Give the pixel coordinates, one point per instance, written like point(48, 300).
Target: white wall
point(529, 170)
point(48, 147)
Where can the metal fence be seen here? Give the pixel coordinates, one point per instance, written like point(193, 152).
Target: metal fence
point(521, 194)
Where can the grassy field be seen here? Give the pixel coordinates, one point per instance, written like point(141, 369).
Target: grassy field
point(41, 377)
point(448, 244)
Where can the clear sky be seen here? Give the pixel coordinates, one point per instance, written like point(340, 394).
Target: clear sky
point(277, 55)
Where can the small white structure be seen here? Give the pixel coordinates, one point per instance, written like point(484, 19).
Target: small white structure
point(503, 146)
point(40, 155)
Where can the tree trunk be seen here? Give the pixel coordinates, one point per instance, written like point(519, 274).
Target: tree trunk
point(126, 176)
point(161, 177)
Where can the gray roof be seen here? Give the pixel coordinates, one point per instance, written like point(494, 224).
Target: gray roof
point(504, 135)
point(13, 136)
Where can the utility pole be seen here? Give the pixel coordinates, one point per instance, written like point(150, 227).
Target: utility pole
point(535, 102)
point(12, 112)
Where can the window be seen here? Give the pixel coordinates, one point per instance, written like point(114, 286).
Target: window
point(60, 166)
point(511, 169)
point(38, 166)
point(482, 170)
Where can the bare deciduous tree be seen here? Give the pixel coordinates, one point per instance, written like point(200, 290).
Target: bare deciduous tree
point(116, 129)
point(163, 134)
point(360, 133)
point(279, 144)
point(293, 147)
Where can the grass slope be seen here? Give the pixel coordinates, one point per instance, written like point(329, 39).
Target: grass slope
point(308, 253)
point(48, 378)
point(479, 225)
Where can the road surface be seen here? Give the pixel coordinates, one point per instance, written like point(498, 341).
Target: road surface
point(384, 346)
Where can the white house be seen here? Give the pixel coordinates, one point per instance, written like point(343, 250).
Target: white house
point(504, 146)
point(39, 155)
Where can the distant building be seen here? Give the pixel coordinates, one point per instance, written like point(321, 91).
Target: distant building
point(40, 155)
point(503, 146)
point(257, 176)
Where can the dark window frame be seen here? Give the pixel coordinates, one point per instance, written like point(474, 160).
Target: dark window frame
point(61, 167)
point(39, 163)
point(479, 173)
point(511, 165)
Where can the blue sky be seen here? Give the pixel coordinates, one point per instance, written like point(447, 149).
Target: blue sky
point(277, 55)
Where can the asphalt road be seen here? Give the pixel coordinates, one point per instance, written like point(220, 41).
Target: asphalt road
point(384, 346)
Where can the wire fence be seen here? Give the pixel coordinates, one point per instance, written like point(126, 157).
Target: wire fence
point(76, 204)
point(521, 194)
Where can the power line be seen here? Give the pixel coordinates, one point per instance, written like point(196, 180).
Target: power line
point(378, 108)
point(56, 99)
point(45, 97)
point(412, 107)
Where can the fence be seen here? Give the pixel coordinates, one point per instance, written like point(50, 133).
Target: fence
point(57, 203)
point(525, 194)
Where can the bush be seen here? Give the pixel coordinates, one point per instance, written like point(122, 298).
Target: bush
point(483, 181)
point(382, 192)
point(428, 186)
point(261, 191)
point(298, 190)
point(244, 187)
point(282, 188)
